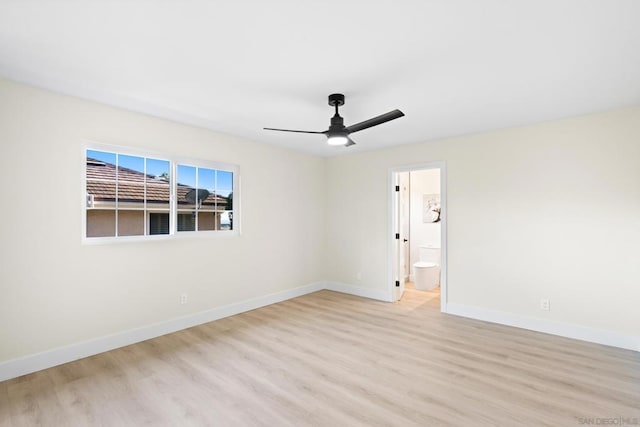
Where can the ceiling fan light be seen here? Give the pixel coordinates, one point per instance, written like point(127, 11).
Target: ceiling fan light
point(337, 140)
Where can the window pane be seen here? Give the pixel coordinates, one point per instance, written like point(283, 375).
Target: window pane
point(207, 199)
point(158, 184)
point(130, 223)
point(100, 193)
point(207, 220)
point(130, 182)
point(186, 183)
point(224, 189)
point(131, 195)
point(207, 186)
point(224, 182)
point(158, 223)
point(101, 223)
point(186, 206)
point(186, 222)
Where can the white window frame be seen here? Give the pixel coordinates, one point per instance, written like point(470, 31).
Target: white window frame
point(205, 164)
point(174, 161)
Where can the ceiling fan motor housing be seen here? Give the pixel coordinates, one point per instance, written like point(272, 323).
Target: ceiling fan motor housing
point(337, 127)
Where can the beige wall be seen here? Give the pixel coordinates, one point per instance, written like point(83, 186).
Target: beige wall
point(551, 210)
point(55, 291)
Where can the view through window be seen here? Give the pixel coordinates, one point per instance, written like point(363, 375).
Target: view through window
point(130, 195)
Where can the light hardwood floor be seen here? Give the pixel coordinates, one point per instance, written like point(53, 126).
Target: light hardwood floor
point(329, 359)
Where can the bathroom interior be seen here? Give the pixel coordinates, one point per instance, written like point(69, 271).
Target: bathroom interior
point(422, 277)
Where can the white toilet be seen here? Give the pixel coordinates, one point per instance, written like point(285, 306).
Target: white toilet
point(426, 272)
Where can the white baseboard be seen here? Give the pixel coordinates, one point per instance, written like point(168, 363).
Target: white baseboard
point(567, 330)
point(346, 288)
point(47, 359)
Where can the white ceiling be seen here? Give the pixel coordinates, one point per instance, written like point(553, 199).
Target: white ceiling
point(453, 67)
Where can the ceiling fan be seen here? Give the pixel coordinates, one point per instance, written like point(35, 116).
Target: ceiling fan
point(338, 133)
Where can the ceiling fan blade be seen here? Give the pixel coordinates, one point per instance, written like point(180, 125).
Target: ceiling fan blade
point(391, 115)
point(349, 142)
point(289, 130)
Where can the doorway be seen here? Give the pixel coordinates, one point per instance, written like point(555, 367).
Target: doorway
point(418, 226)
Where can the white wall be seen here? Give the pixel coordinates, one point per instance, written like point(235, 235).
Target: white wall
point(422, 182)
point(54, 291)
point(550, 210)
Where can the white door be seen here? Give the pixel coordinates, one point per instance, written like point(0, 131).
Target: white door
point(401, 230)
point(404, 226)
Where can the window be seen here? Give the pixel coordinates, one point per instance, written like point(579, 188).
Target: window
point(204, 198)
point(129, 195)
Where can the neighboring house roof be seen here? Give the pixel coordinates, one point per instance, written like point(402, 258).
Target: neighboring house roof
point(101, 183)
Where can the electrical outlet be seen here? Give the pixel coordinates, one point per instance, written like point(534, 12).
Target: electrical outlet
point(544, 304)
point(359, 276)
point(183, 298)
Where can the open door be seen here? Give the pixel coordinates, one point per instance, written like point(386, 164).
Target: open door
point(401, 230)
point(405, 220)
point(399, 225)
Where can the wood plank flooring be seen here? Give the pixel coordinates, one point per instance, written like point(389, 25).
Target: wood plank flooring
point(329, 359)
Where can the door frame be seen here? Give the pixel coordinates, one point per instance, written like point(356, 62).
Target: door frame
point(391, 251)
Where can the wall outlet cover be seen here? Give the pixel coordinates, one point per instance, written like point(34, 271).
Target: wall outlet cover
point(544, 304)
